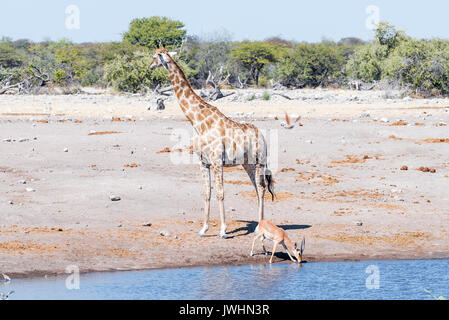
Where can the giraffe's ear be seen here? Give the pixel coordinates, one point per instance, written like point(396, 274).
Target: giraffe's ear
point(164, 63)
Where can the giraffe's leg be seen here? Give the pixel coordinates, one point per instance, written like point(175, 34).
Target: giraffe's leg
point(218, 175)
point(205, 172)
point(260, 185)
point(251, 171)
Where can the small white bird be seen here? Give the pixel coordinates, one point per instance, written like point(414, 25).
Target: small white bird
point(5, 296)
point(5, 278)
point(288, 125)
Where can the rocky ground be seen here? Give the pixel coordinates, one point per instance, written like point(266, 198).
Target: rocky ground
point(365, 177)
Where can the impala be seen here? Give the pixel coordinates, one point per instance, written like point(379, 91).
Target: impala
point(267, 230)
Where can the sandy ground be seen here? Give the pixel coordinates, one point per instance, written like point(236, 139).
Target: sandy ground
point(338, 179)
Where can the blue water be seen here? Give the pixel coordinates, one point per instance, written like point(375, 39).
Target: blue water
point(324, 280)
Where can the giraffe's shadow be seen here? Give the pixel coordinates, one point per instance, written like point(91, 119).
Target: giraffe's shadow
point(251, 227)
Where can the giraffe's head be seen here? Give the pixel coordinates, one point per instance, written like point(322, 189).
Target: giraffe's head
point(161, 58)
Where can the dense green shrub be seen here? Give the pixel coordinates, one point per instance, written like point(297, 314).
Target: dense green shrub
point(423, 65)
point(366, 63)
point(131, 73)
point(311, 65)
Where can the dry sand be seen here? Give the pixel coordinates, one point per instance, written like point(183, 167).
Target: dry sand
point(338, 179)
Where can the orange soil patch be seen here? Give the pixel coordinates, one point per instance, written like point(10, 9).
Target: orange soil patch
point(393, 137)
point(42, 121)
point(280, 196)
point(404, 168)
point(17, 247)
point(120, 252)
point(239, 183)
point(132, 165)
point(406, 239)
point(232, 169)
point(364, 194)
point(103, 133)
point(324, 180)
point(168, 150)
point(399, 123)
point(354, 159)
point(120, 120)
point(436, 140)
point(419, 124)
point(78, 121)
point(287, 169)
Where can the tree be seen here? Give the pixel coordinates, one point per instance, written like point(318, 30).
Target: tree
point(148, 32)
point(9, 56)
point(387, 35)
point(254, 56)
point(311, 65)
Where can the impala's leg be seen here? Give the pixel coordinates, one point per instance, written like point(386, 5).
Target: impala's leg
point(288, 252)
point(260, 183)
point(274, 250)
point(263, 246)
point(254, 242)
point(218, 175)
point(205, 172)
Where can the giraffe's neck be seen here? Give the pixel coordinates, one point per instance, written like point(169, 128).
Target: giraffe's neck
point(194, 108)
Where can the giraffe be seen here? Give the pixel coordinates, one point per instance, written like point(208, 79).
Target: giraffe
point(219, 142)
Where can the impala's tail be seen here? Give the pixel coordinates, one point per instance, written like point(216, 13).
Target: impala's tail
point(270, 183)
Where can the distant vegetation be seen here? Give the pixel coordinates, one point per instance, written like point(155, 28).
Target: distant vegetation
point(392, 59)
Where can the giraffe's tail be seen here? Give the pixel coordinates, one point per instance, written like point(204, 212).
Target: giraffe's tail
point(270, 183)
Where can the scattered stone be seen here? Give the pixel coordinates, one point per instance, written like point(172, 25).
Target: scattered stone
point(359, 224)
point(404, 168)
point(115, 198)
point(22, 182)
point(164, 233)
point(10, 202)
point(149, 224)
point(365, 114)
point(66, 149)
point(385, 120)
point(309, 141)
point(23, 140)
point(30, 190)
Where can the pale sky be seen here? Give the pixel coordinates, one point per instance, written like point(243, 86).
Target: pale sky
point(300, 20)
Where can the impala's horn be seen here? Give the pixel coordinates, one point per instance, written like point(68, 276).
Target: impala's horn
point(303, 246)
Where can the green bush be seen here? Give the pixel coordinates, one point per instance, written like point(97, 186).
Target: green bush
point(311, 65)
point(366, 63)
point(131, 73)
point(424, 65)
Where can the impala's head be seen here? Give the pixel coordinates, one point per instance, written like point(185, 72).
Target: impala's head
point(299, 252)
point(161, 58)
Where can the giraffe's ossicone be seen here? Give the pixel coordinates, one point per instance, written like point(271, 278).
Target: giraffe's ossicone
point(219, 142)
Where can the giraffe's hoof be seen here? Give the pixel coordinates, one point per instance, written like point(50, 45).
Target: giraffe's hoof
point(251, 254)
point(201, 234)
point(224, 236)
